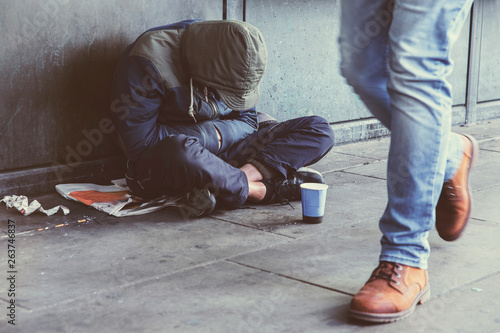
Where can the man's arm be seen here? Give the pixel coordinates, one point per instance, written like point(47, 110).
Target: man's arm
point(136, 100)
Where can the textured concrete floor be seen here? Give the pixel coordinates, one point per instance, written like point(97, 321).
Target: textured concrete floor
point(256, 269)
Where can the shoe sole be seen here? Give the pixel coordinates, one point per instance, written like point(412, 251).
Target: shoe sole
point(474, 153)
point(307, 169)
point(311, 170)
point(421, 298)
point(208, 203)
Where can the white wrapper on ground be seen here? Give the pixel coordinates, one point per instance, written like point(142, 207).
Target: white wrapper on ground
point(118, 209)
point(20, 202)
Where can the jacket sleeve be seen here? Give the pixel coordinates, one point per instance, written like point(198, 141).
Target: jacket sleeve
point(135, 101)
point(236, 126)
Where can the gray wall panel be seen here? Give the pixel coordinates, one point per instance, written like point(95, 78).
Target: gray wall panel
point(460, 57)
point(489, 71)
point(56, 61)
point(303, 73)
point(235, 10)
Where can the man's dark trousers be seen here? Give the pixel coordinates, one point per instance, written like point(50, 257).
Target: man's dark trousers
point(180, 164)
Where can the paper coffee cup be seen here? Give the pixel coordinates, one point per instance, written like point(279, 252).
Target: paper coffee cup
point(313, 202)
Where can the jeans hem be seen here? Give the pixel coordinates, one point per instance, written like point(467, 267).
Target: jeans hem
point(404, 261)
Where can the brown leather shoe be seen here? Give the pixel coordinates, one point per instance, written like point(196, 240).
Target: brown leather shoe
point(454, 205)
point(392, 293)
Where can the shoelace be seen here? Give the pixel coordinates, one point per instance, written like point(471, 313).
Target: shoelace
point(287, 191)
point(385, 271)
point(450, 189)
point(289, 187)
point(283, 200)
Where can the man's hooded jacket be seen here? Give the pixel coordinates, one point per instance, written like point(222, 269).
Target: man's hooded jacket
point(157, 92)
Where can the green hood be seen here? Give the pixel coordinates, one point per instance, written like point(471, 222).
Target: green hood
point(227, 56)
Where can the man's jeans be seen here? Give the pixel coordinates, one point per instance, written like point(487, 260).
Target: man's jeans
point(396, 56)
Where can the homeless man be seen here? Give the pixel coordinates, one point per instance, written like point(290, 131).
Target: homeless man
point(183, 102)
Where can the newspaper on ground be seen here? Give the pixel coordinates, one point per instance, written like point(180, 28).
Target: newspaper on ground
point(116, 199)
point(21, 203)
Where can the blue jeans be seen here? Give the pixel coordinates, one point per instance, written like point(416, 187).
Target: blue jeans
point(396, 56)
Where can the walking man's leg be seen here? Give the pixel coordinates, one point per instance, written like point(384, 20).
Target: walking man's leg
point(415, 50)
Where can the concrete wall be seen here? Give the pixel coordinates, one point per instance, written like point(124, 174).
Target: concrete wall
point(489, 68)
point(304, 61)
point(56, 63)
point(57, 58)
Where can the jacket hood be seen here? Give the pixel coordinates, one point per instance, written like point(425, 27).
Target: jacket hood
point(228, 56)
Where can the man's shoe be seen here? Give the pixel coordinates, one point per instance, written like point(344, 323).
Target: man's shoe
point(392, 293)
point(198, 203)
point(286, 190)
point(454, 205)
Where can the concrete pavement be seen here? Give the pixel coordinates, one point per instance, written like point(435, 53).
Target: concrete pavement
point(256, 269)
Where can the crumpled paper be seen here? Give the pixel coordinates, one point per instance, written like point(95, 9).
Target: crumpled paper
point(116, 200)
point(20, 202)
